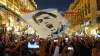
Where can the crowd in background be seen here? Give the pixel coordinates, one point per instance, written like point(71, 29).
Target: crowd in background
point(82, 46)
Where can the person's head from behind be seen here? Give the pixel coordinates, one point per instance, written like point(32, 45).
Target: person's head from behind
point(95, 52)
point(46, 20)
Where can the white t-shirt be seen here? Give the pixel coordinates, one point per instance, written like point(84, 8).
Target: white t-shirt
point(56, 52)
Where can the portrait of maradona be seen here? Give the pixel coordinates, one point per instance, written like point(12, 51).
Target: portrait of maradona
point(48, 22)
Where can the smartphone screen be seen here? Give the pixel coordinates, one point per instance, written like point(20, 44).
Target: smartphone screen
point(98, 35)
point(66, 39)
point(16, 40)
point(33, 45)
point(70, 48)
point(55, 40)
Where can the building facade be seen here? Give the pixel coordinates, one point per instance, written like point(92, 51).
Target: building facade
point(10, 13)
point(88, 14)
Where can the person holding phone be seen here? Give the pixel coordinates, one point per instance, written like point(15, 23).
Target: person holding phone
point(64, 50)
point(42, 48)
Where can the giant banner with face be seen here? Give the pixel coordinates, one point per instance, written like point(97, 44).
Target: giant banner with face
point(47, 22)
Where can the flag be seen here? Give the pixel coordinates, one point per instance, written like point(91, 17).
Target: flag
point(47, 22)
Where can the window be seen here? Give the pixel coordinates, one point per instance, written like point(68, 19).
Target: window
point(16, 3)
point(88, 8)
point(85, 8)
point(98, 19)
point(82, 1)
point(98, 4)
point(82, 12)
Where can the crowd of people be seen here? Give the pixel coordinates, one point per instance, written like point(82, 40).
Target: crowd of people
point(64, 46)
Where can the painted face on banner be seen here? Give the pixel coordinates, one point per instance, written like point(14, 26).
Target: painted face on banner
point(48, 22)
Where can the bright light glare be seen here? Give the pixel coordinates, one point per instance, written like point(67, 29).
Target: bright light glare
point(86, 28)
point(93, 32)
point(8, 28)
point(16, 29)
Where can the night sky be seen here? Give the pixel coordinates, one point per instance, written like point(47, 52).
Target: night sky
point(61, 5)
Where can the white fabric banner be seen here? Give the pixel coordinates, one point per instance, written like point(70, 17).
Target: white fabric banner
point(47, 22)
